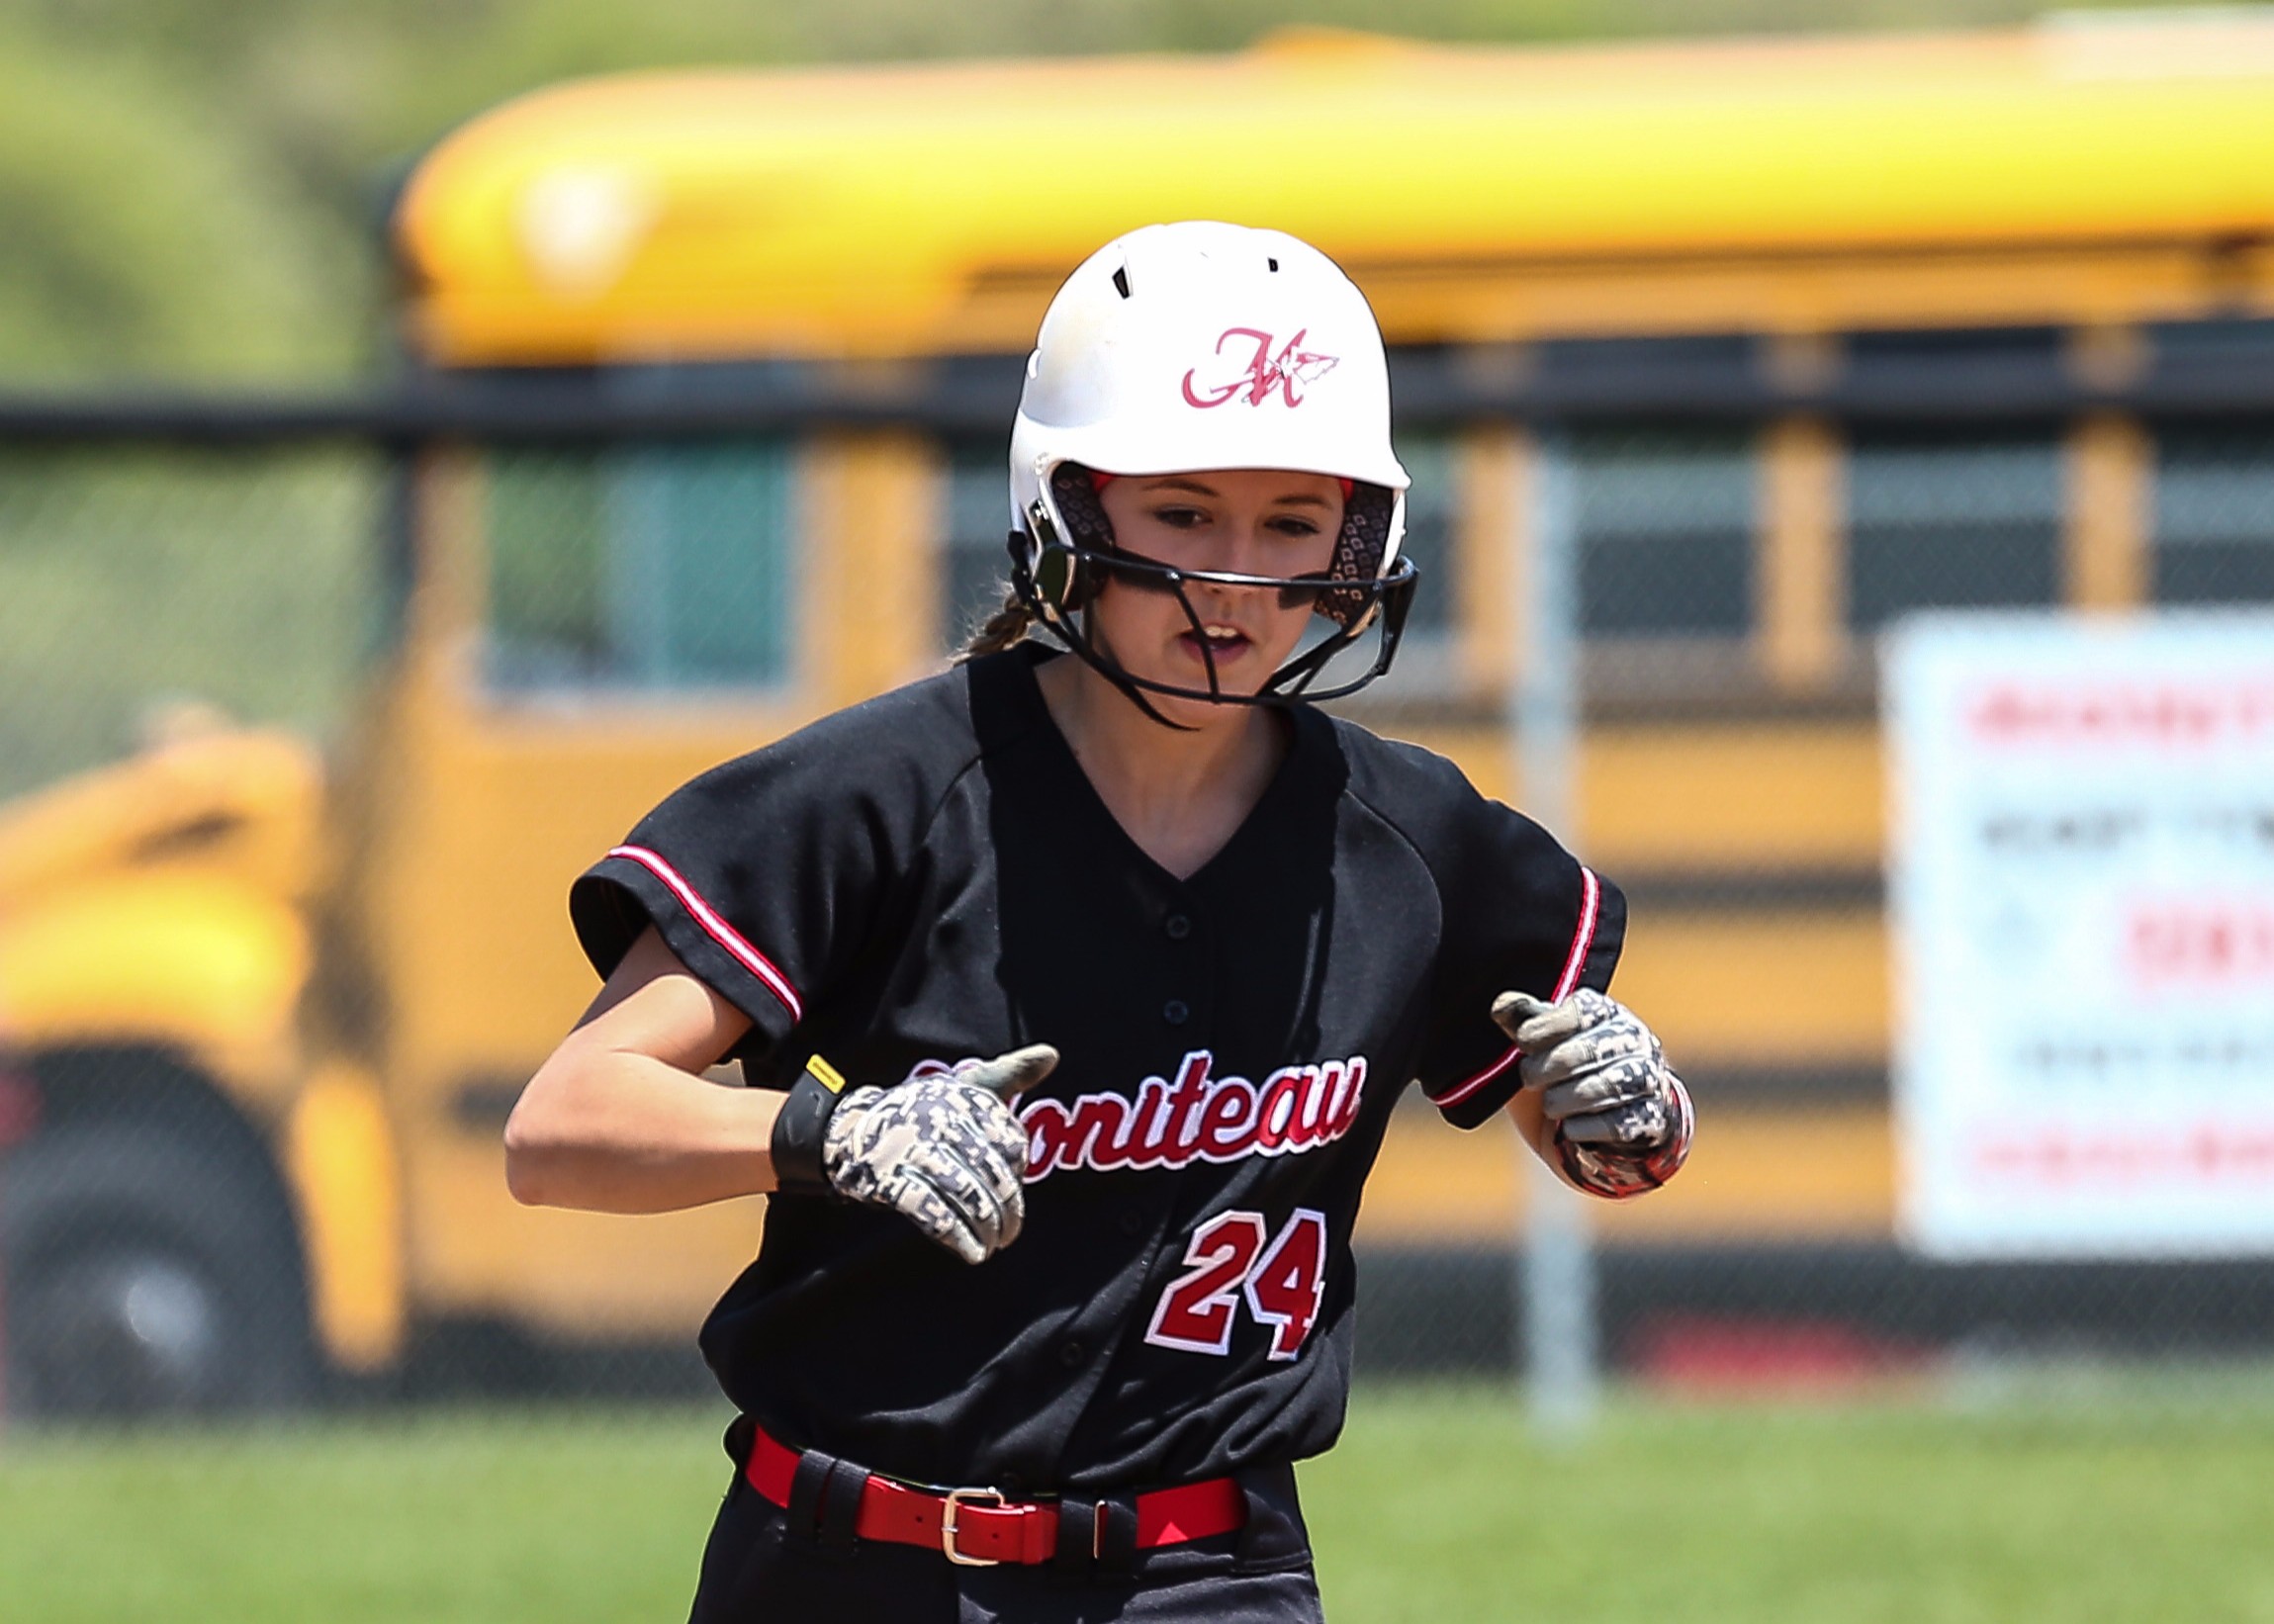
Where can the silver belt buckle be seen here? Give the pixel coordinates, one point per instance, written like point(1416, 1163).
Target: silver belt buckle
point(956, 1497)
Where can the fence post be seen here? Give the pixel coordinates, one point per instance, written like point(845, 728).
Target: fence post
point(1557, 1285)
point(19, 1115)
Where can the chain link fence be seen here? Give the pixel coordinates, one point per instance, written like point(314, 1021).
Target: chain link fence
point(159, 597)
point(138, 578)
point(153, 598)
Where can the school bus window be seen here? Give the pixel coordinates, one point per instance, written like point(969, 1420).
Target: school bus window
point(2213, 528)
point(976, 564)
point(655, 566)
point(546, 566)
point(1666, 522)
point(1429, 518)
point(1935, 521)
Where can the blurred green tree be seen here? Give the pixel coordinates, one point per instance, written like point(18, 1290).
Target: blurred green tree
point(141, 233)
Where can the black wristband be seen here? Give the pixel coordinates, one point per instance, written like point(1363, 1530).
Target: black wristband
point(800, 1130)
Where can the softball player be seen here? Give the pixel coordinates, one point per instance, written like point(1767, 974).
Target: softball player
point(1076, 988)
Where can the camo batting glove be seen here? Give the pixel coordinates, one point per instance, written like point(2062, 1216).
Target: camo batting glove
point(1622, 1120)
point(943, 1149)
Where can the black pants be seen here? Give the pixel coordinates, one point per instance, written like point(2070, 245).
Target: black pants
point(758, 1569)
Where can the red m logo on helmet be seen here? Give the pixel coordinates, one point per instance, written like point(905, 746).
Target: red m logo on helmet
point(1288, 370)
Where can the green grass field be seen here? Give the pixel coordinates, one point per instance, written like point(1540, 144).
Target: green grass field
point(1434, 1508)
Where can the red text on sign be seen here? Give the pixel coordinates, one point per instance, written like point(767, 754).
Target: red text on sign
point(2213, 942)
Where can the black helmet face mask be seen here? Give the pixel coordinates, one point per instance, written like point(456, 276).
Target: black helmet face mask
point(1349, 597)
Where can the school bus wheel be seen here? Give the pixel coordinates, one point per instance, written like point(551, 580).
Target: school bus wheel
point(143, 1279)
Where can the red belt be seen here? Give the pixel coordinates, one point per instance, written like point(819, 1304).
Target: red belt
point(978, 1527)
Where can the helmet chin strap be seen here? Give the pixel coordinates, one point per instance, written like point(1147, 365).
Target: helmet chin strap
point(1286, 687)
point(1090, 654)
point(1077, 640)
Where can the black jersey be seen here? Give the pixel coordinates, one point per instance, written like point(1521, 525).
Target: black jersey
point(931, 875)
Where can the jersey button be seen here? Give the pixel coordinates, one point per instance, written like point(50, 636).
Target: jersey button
point(1177, 927)
point(1132, 1220)
point(1073, 1354)
point(1176, 1011)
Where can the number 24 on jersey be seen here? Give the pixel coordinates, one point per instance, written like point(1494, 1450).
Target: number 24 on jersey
point(1234, 1257)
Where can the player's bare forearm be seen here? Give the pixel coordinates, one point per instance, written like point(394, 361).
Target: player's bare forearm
point(618, 1119)
point(615, 1131)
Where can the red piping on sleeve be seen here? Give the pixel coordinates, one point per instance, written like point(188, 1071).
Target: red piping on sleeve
point(1575, 963)
point(716, 927)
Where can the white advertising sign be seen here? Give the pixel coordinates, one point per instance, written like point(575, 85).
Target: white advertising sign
point(2081, 895)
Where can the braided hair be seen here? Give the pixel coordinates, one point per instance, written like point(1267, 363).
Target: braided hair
point(1003, 629)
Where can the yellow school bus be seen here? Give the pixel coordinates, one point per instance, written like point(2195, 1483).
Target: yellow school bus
point(587, 621)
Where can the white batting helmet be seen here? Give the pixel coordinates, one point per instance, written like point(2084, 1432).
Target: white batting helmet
point(1197, 346)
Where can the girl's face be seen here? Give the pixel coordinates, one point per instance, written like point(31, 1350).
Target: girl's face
point(1246, 521)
